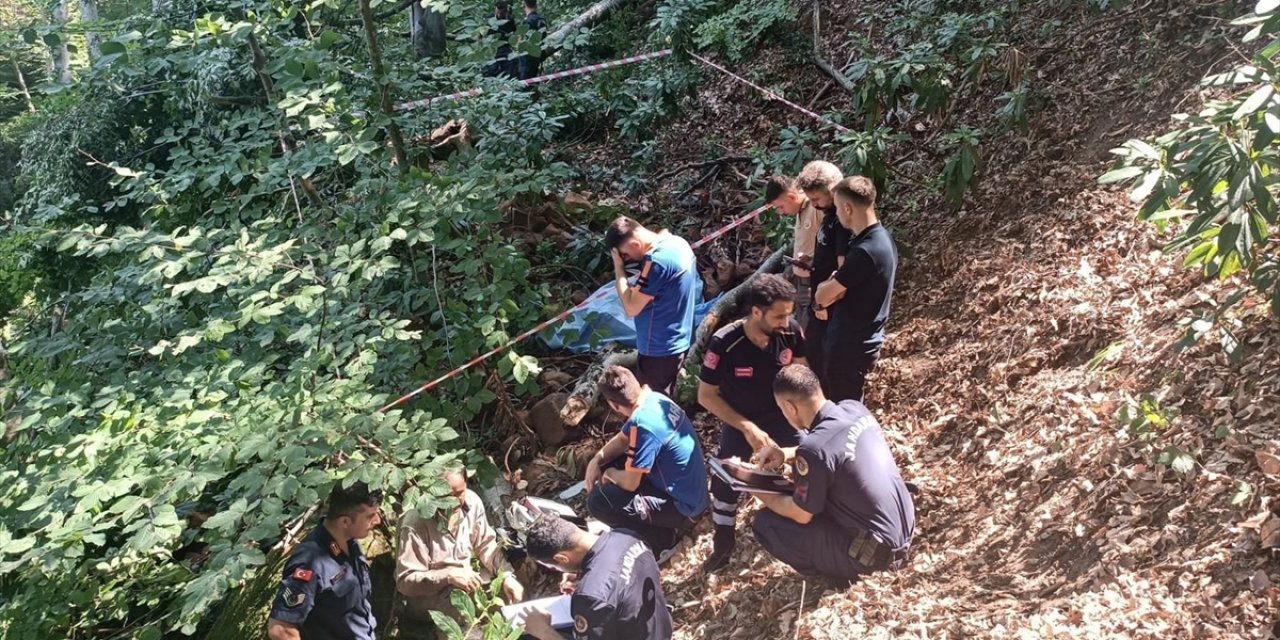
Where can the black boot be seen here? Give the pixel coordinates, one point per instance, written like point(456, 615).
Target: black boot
point(721, 549)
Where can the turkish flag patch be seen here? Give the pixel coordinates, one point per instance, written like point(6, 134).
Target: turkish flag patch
point(303, 574)
point(711, 360)
point(786, 357)
point(743, 372)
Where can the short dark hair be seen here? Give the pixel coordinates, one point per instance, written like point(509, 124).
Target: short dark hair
point(796, 381)
point(776, 185)
point(857, 189)
point(620, 385)
point(620, 230)
point(532, 4)
point(348, 500)
point(766, 289)
point(547, 536)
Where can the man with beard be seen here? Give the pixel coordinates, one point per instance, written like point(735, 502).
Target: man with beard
point(816, 180)
point(788, 199)
point(736, 385)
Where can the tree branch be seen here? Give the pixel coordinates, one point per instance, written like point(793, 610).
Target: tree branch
point(728, 303)
point(404, 4)
point(384, 91)
point(699, 165)
point(260, 68)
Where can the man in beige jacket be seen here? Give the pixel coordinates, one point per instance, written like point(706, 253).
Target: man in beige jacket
point(436, 555)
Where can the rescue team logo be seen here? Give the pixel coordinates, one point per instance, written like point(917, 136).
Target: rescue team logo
point(293, 599)
point(580, 624)
point(785, 357)
point(302, 574)
point(711, 360)
point(743, 372)
point(802, 466)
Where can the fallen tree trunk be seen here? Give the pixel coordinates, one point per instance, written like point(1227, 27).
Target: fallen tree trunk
point(729, 302)
point(585, 394)
point(586, 18)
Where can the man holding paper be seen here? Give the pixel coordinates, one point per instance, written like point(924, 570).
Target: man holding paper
point(851, 513)
point(618, 595)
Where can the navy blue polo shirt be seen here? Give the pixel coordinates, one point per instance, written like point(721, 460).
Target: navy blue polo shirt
point(325, 590)
point(619, 596)
point(846, 474)
point(858, 319)
point(661, 442)
point(744, 372)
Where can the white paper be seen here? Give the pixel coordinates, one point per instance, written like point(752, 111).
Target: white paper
point(557, 606)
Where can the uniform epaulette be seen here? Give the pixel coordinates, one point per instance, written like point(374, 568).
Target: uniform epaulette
point(725, 330)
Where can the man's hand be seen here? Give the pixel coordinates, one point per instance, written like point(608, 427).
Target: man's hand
point(820, 313)
point(757, 438)
point(594, 474)
point(512, 590)
point(619, 268)
point(537, 623)
point(771, 458)
point(568, 583)
point(464, 579)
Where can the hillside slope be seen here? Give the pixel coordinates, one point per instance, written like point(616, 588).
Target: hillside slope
point(1042, 515)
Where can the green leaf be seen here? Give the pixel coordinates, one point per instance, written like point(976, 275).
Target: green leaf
point(1266, 6)
point(52, 39)
point(1121, 175)
point(1257, 100)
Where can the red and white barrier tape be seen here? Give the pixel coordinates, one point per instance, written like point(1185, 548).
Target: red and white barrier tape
point(771, 94)
point(591, 68)
point(733, 224)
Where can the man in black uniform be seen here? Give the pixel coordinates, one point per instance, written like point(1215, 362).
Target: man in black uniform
point(325, 591)
point(816, 180)
point(502, 64)
point(736, 382)
point(529, 63)
point(858, 294)
point(618, 595)
point(851, 513)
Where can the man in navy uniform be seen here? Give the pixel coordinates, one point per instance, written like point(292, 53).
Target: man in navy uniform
point(529, 64)
point(618, 594)
point(851, 513)
point(325, 591)
point(651, 477)
point(858, 293)
point(662, 300)
point(736, 385)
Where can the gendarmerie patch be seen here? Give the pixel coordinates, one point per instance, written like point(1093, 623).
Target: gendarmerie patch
point(580, 624)
point(802, 466)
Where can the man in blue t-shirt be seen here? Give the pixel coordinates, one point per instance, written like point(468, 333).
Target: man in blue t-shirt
point(661, 301)
point(650, 477)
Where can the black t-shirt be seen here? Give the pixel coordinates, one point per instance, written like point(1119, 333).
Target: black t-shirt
point(535, 22)
point(858, 319)
point(325, 590)
point(846, 473)
point(744, 372)
point(831, 242)
point(619, 594)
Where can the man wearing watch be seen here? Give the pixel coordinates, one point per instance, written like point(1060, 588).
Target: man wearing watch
point(736, 385)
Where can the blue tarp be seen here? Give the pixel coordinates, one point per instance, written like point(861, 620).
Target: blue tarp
point(604, 320)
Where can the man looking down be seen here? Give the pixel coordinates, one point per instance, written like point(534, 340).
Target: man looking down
point(816, 180)
point(851, 513)
point(788, 199)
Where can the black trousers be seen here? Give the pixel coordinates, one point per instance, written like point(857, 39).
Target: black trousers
point(818, 548)
point(659, 372)
point(648, 511)
point(814, 335)
point(845, 376)
point(724, 500)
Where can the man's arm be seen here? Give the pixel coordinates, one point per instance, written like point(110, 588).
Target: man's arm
point(279, 630)
point(710, 398)
point(786, 507)
point(829, 292)
point(628, 479)
point(615, 447)
point(855, 266)
point(633, 300)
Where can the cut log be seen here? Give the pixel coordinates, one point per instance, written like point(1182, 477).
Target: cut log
point(546, 420)
point(585, 394)
point(729, 302)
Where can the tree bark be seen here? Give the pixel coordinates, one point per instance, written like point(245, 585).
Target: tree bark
point(22, 82)
point(427, 31)
point(586, 18)
point(585, 394)
point(384, 91)
point(89, 13)
point(158, 6)
point(61, 64)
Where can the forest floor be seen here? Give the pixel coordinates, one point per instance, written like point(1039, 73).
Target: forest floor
point(1022, 324)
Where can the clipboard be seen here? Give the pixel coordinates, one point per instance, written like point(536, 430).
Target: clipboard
point(760, 482)
point(557, 606)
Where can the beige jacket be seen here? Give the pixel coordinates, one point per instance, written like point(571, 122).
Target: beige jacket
point(807, 223)
point(428, 551)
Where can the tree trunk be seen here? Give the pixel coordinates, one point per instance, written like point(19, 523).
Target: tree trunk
point(61, 55)
point(22, 82)
point(586, 18)
point(89, 13)
point(426, 31)
point(585, 394)
point(160, 6)
point(259, 63)
point(384, 91)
